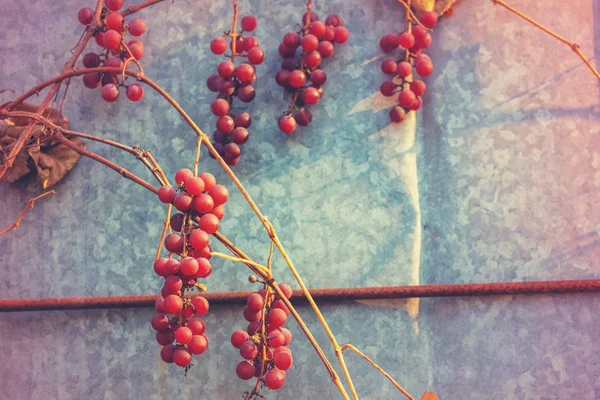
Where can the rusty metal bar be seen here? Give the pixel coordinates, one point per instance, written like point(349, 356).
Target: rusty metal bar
point(329, 294)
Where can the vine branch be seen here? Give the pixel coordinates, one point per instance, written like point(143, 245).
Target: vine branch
point(572, 45)
point(29, 205)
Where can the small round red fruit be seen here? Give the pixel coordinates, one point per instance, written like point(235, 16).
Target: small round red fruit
point(135, 92)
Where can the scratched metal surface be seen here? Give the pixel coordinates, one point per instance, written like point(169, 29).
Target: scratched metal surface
point(495, 180)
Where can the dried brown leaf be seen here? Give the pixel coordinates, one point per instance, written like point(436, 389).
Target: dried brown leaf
point(429, 396)
point(443, 6)
point(19, 168)
point(54, 162)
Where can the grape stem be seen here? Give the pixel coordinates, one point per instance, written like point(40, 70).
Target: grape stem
point(29, 205)
point(378, 368)
point(233, 33)
point(572, 45)
point(406, 4)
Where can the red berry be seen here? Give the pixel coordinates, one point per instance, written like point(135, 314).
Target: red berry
point(406, 98)
point(137, 48)
point(318, 77)
point(198, 238)
point(114, 5)
point(209, 223)
point(341, 34)
point(310, 42)
point(424, 68)
point(246, 94)
point(274, 379)
point(276, 317)
point(238, 338)
point(198, 344)
point(225, 124)
point(174, 243)
point(250, 42)
point(209, 180)
point(166, 353)
point(183, 335)
point(160, 266)
point(160, 322)
point(188, 266)
point(418, 32)
point(303, 117)
point(110, 92)
point(173, 283)
point(165, 337)
point(194, 186)
point(310, 95)
point(283, 360)
point(333, 20)
point(286, 289)
point(226, 69)
point(249, 23)
point(159, 305)
point(137, 27)
point(114, 20)
point(392, 41)
point(407, 40)
point(317, 28)
point(313, 17)
point(429, 19)
point(423, 42)
point(218, 45)
point(232, 150)
point(173, 304)
point(212, 82)
point(220, 107)
point(248, 350)
point(416, 105)
point(183, 201)
point(242, 119)
point(255, 302)
point(389, 66)
point(135, 92)
point(275, 338)
point(85, 16)
point(219, 193)
point(292, 40)
point(240, 135)
point(256, 55)
point(282, 77)
point(219, 212)
point(297, 78)
point(404, 69)
point(197, 326)
point(182, 357)
point(388, 88)
point(418, 87)
point(91, 60)
point(244, 73)
point(250, 315)
point(182, 176)
point(99, 38)
point(329, 34)
point(245, 370)
point(204, 204)
point(325, 48)
point(112, 39)
point(204, 267)
point(312, 59)
point(92, 80)
point(287, 124)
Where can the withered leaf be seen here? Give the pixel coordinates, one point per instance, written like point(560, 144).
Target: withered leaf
point(19, 168)
point(440, 7)
point(429, 396)
point(54, 162)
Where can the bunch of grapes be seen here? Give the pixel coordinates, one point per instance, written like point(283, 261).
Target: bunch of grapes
point(200, 202)
point(408, 89)
point(263, 345)
point(116, 51)
point(234, 81)
point(301, 74)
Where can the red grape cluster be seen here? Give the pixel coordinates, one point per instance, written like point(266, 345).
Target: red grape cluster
point(263, 345)
point(200, 202)
point(302, 75)
point(409, 90)
point(116, 52)
point(234, 81)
